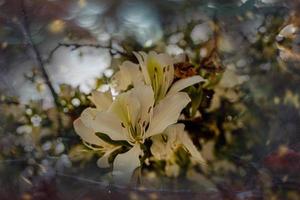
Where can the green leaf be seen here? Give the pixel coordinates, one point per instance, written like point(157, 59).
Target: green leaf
point(196, 95)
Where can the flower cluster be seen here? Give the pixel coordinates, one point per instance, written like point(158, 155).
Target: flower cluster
point(147, 107)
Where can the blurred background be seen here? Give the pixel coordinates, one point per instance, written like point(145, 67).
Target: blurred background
point(53, 53)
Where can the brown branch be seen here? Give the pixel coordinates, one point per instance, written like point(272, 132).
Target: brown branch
point(26, 32)
point(24, 26)
point(9, 101)
point(75, 46)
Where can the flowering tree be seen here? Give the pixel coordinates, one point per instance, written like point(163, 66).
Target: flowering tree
point(202, 98)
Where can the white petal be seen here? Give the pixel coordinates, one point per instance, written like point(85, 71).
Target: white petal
point(126, 163)
point(132, 70)
point(146, 98)
point(159, 148)
point(103, 161)
point(120, 81)
point(87, 134)
point(128, 74)
point(173, 131)
point(189, 145)
point(165, 61)
point(174, 141)
point(167, 112)
point(130, 67)
point(169, 74)
point(142, 59)
point(183, 83)
point(109, 124)
point(177, 135)
point(127, 107)
point(102, 100)
point(88, 115)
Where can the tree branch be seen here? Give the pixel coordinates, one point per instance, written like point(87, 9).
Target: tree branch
point(24, 26)
point(75, 46)
point(26, 32)
point(9, 101)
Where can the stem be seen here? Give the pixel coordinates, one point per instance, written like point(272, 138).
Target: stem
point(26, 32)
point(24, 26)
point(75, 46)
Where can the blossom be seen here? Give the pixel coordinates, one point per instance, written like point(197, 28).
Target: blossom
point(132, 117)
point(129, 74)
point(156, 70)
point(166, 145)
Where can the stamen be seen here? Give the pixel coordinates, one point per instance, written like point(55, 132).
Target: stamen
point(147, 126)
point(122, 124)
point(149, 109)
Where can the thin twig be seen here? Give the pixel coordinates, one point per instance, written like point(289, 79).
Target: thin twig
point(75, 46)
point(9, 102)
point(24, 26)
point(26, 32)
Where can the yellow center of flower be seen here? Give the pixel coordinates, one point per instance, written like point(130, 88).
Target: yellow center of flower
point(135, 129)
point(158, 78)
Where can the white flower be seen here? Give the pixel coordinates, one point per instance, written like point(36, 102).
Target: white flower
point(164, 146)
point(128, 74)
point(102, 100)
point(156, 70)
point(131, 117)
